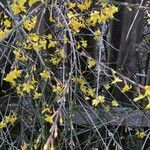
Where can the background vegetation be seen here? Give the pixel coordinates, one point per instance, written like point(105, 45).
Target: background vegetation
point(74, 74)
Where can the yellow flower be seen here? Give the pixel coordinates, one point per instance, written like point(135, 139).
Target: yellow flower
point(147, 90)
point(10, 119)
point(19, 89)
point(20, 2)
point(91, 92)
point(55, 60)
point(116, 80)
point(55, 132)
point(80, 80)
point(101, 17)
point(84, 43)
point(107, 108)
point(29, 24)
point(104, 3)
point(42, 43)
point(85, 5)
point(52, 146)
point(27, 87)
point(46, 109)
point(107, 86)
point(27, 45)
point(95, 102)
point(60, 53)
point(94, 17)
point(126, 88)
point(70, 14)
point(91, 63)
point(114, 103)
point(72, 5)
point(147, 107)
point(52, 44)
point(13, 120)
point(19, 56)
point(58, 89)
point(113, 9)
point(37, 95)
point(76, 24)
point(97, 34)
point(49, 119)
point(108, 12)
point(44, 75)
point(18, 8)
point(140, 134)
point(7, 23)
point(65, 40)
point(12, 76)
point(49, 36)
point(60, 24)
point(51, 19)
point(2, 124)
point(98, 100)
point(84, 89)
point(33, 37)
point(24, 146)
point(2, 34)
point(33, 81)
point(139, 97)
